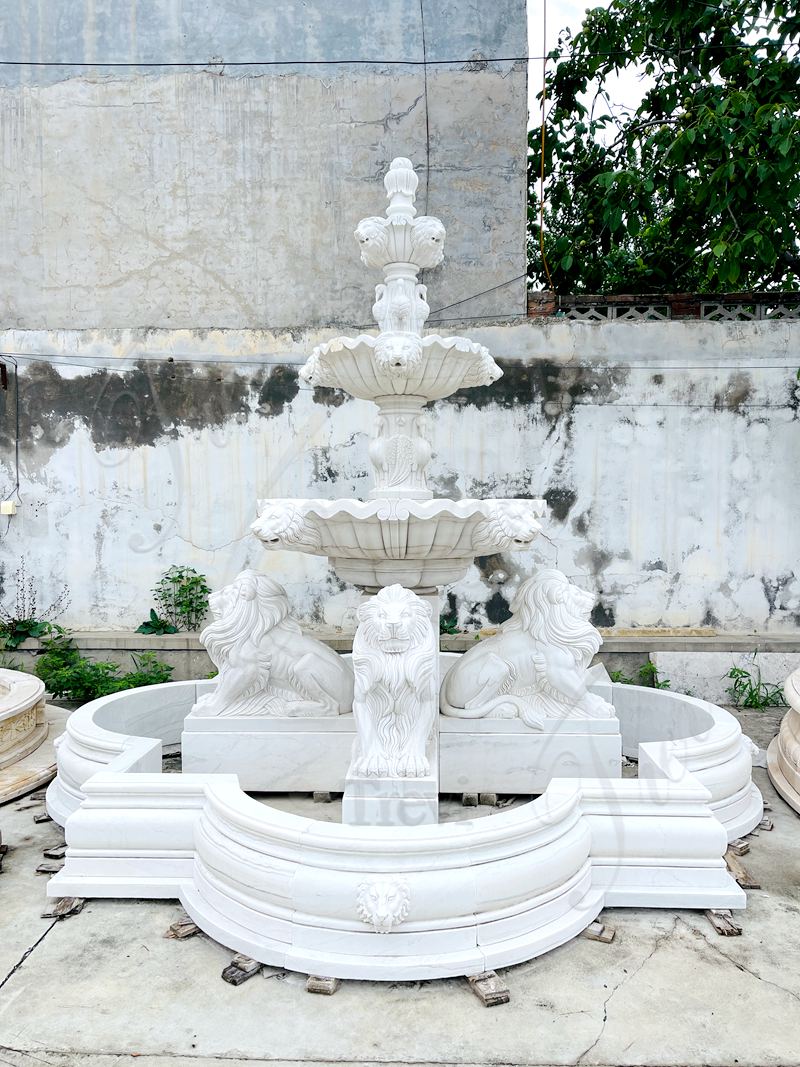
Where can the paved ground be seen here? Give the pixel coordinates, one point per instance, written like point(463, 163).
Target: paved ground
point(105, 988)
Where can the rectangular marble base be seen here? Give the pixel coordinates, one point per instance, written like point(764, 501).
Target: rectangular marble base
point(475, 756)
point(271, 755)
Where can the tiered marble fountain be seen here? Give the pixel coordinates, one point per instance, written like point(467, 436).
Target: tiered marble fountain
point(390, 893)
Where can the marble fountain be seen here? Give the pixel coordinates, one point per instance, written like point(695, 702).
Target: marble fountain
point(390, 893)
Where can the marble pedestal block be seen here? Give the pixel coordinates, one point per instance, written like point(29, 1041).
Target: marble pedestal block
point(394, 801)
point(505, 756)
point(270, 755)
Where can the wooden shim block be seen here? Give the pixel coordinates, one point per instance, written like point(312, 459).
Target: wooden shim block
point(739, 847)
point(42, 817)
point(488, 798)
point(318, 984)
point(489, 989)
point(766, 823)
point(49, 868)
point(182, 929)
point(745, 880)
point(40, 795)
point(240, 969)
point(55, 852)
point(64, 907)
point(322, 798)
point(469, 800)
point(723, 922)
point(598, 931)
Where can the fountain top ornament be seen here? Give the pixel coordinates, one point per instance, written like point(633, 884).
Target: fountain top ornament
point(401, 535)
point(400, 361)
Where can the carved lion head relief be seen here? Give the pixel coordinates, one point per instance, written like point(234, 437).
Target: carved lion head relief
point(383, 904)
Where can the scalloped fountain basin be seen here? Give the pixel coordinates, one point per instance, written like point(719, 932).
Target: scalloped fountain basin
point(478, 894)
point(418, 543)
point(445, 365)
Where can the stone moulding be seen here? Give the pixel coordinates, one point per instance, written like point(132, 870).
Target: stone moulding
point(481, 893)
point(416, 543)
point(783, 754)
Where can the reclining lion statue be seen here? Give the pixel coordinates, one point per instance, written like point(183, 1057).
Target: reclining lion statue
point(535, 666)
point(266, 664)
point(394, 706)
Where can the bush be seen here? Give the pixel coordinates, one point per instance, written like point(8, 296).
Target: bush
point(70, 676)
point(181, 597)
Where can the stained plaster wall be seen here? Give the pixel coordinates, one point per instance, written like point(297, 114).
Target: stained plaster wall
point(667, 451)
point(225, 194)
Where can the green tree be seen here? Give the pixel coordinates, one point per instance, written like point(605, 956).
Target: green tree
point(697, 188)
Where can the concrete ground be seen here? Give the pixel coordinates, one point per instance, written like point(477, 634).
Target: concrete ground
point(105, 988)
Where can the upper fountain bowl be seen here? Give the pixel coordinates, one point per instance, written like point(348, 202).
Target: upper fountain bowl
point(400, 364)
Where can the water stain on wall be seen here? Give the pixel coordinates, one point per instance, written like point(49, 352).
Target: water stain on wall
point(142, 404)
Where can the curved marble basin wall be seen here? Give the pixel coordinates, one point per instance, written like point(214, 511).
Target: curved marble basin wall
point(783, 755)
point(400, 902)
point(22, 715)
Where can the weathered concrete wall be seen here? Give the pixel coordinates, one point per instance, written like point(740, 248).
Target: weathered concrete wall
point(225, 195)
point(668, 453)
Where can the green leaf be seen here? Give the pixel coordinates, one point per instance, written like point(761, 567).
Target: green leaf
point(720, 248)
point(566, 262)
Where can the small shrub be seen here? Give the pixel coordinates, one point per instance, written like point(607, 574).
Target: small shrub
point(70, 676)
point(448, 624)
point(181, 597)
point(156, 625)
point(647, 675)
point(749, 691)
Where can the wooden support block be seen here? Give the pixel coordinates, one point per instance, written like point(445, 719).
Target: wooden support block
point(489, 989)
point(240, 969)
point(766, 823)
point(469, 800)
point(182, 929)
point(55, 852)
point(598, 931)
point(745, 880)
point(323, 798)
point(739, 847)
point(63, 907)
point(49, 868)
point(488, 798)
point(42, 817)
point(723, 922)
point(318, 984)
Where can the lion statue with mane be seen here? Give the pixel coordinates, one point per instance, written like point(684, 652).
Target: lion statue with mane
point(266, 664)
point(535, 666)
point(394, 706)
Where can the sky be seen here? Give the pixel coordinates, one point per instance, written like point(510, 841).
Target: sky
point(625, 89)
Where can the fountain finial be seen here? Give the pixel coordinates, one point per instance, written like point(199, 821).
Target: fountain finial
point(401, 185)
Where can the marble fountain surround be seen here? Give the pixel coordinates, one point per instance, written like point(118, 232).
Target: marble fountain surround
point(390, 893)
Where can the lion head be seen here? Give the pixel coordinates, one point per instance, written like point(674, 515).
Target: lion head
point(383, 904)
point(395, 620)
point(507, 524)
point(282, 523)
point(373, 236)
point(555, 612)
point(245, 610)
point(427, 241)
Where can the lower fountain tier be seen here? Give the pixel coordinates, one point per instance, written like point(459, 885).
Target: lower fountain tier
point(418, 543)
